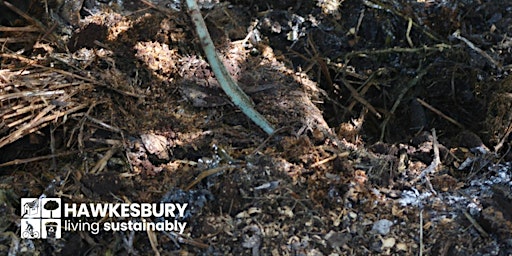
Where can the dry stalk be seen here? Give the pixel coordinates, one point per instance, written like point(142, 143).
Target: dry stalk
point(39, 158)
point(235, 93)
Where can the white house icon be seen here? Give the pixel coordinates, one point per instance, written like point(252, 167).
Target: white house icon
point(31, 208)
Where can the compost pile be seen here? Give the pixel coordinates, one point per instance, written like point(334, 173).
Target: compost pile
point(394, 122)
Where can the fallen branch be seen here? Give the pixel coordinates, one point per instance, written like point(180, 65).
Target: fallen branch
point(235, 93)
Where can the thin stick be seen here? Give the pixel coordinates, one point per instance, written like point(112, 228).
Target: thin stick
point(437, 48)
point(377, 4)
point(475, 224)
point(235, 93)
point(39, 121)
point(29, 94)
point(52, 147)
point(100, 165)
point(437, 158)
point(207, 173)
point(35, 22)
point(365, 86)
point(267, 139)
point(409, 85)
point(66, 73)
point(153, 241)
point(435, 110)
point(35, 159)
point(502, 141)
point(421, 233)
point(433, 165)
point(104, 125)
point(408, 34)
point(12, 40)
point(359, 98)
point(344, 154)
point(493, 62)
point(20, 110)
point(19, 29)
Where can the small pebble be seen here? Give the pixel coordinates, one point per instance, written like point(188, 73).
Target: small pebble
point(401, 247)
point(382, 226)
point(388, 242)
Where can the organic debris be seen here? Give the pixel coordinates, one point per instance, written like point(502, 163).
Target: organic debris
point(392, 125)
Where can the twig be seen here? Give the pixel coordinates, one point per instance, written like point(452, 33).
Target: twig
point(377, 4)
point(268, 139)
point(504, 138)
point(12, 40)
point(359, 98)
point(367, 84)
point(153, 241)
point(66, 73)
point(344, 154)
point(177, 239)
point(35, 22)
point(104, 125)
point(437, 158)
point(29, 94)
point(433, 165)
point(29, 28)
point(39, 158)
point(207, 173)
point(52, 147)
point(409, 85)
point(156, 7)
point(359, 22)
point(421, 233)
point(496, 64)
point(38, 121)
point(100, 165)
point(475, 224)
point(235, 93)
point(435, 110)
point(408, 33)
point(19, 110)
point(437, 47)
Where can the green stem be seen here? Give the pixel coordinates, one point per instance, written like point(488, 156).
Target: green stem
point(237, 96)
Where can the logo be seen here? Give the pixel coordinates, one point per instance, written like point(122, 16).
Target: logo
point(43, 218)
point(40, 218)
